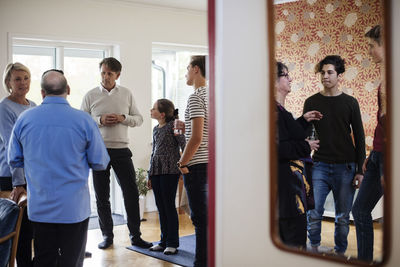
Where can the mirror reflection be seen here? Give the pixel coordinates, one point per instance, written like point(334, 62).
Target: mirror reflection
point(330, 77)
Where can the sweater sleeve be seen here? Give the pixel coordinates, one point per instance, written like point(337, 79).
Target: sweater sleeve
point(292, 144)
point(7, 121)
point(359, 137)
point(86, 107)
point(134, 118)
point(293, 149)
point(303, 122)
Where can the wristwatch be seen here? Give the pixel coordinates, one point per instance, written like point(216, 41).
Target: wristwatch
point(179, 164)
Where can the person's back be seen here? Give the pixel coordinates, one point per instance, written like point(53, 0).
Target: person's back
point(56, 145)
point(55, 130)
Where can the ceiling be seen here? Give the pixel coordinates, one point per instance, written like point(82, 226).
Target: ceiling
point(197, 5)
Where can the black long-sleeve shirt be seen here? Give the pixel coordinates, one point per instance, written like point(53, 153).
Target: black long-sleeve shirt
point(341, 119)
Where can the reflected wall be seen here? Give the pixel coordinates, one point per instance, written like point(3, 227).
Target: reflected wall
point(308, 30)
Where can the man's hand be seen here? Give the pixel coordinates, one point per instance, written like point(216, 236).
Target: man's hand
point(111, 119)
point(357, 180)
point(17, 192)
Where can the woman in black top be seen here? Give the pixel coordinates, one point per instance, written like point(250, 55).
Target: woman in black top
point(292, 146)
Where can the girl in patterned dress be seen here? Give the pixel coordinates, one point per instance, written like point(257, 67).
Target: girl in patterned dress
point(164, 173)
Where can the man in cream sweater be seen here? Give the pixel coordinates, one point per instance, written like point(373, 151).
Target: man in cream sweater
point(113, 108)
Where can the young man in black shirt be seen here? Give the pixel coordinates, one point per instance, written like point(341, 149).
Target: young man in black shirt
point(338, 161)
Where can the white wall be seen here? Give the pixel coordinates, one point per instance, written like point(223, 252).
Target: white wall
point(133, 27)
point(242, 174)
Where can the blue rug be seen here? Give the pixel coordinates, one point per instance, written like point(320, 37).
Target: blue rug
point(185, 256)
point(94, 221)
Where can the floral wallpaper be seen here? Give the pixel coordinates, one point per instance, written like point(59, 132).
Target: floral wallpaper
point(308, 30)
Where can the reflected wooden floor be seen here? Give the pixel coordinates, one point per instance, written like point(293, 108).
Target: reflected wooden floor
point(119, 256)
point(327, 238)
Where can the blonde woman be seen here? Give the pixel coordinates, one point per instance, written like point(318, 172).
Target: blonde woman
point(16, 81)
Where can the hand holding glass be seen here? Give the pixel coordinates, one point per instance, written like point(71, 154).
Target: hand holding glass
point(179, 127)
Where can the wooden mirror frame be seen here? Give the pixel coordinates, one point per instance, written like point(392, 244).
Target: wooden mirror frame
point(274, 229)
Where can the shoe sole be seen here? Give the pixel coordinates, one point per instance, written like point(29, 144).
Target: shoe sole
point(171, 253)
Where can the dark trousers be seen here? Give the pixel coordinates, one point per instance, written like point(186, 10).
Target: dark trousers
point(368, 195)
point(24, 250)
point(121, 162)
point(197, 190)
point(293, 231)
point(164, 188)
point(59, 244)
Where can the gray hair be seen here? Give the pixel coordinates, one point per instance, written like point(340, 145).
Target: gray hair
point(53, 82)
point(8, 71)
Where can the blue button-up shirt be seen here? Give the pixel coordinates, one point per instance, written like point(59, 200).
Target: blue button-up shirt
point(57, 144)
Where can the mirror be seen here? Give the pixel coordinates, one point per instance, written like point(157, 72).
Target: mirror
point(313, 196)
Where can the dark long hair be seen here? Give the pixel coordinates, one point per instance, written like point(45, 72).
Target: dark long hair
point(166, 106)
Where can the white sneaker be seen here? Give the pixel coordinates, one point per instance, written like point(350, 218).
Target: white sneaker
point(156, 248)
point(170, 251)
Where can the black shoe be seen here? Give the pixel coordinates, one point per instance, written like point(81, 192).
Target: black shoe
point(88, 254)
point(105, 244)
point(141, 243)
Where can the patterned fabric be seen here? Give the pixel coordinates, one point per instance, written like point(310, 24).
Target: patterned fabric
point(304, 189)
point(308, 30)
point(198, 107)
point(166, 148)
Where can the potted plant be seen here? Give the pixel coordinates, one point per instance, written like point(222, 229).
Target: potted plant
point(141, 182)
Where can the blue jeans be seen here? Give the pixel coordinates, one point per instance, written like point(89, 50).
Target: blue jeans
point(197, 190)
point(339, 179)
point(369, 194)
point(164, 188)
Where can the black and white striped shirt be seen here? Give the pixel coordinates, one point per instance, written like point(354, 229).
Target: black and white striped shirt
point(197, 107)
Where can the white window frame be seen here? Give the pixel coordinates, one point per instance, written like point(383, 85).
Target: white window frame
point(111, 49)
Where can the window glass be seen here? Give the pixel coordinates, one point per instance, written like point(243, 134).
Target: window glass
point(173, 63)
point(38, 60)
point(81, 67)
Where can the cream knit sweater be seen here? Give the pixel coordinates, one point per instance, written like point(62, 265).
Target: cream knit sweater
point(119, 100)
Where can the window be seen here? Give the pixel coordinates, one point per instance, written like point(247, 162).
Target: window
point(168, 74)
point(80, 63)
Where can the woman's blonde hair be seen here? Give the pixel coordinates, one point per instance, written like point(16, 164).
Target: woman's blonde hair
point(7, 73)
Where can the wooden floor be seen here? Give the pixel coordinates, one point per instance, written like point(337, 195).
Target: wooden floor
point(327, 239)
point(119, 256)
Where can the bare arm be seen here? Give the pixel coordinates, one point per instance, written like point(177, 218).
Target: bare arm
point(193, 143)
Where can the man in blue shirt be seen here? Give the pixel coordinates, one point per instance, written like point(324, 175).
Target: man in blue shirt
point(56, 145)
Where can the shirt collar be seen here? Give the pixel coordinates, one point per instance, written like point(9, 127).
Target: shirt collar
point(55, 100)
point(201, 88)
point(102, 89)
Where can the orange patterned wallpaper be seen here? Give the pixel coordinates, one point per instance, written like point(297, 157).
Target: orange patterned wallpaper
point(308, 30)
